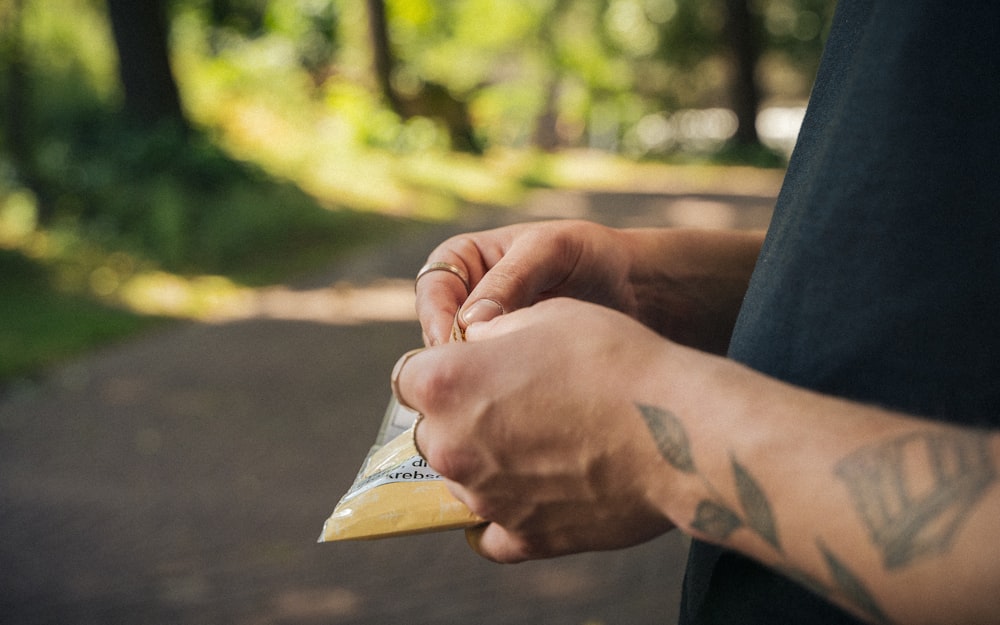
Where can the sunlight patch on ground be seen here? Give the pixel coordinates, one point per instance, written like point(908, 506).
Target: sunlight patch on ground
point(339, 304)
point(169, 295)
point(591, 171)
point(214, 299)
point(700, 213)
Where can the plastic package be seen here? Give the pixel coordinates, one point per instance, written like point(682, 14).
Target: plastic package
point(395, 492)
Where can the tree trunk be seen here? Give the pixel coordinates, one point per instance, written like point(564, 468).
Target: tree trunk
point(16, 97)
point(140, 32)
point(742, 33)
point(15, 107)
point(432, 100)
point(382, 57)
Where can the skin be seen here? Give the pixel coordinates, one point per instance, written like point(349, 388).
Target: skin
point(568, 445)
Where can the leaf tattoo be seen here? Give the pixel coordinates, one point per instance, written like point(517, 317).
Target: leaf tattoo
point(758, 512)
point(900, 522)
point(715, 520)
point(671, 440)
point(848, 584)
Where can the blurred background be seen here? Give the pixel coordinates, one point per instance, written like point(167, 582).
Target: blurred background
point(210, 214)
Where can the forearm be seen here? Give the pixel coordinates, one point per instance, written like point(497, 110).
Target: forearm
point(689, 284)
point(891, 516)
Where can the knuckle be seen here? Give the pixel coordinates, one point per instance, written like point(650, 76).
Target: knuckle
point(461, 247)
point(481, 507)
point(455, 463)
point(436, 387)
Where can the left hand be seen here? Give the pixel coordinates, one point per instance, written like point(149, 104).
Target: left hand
point(534, 424)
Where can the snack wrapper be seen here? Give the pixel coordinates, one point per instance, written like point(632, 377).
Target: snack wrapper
point(395, 493)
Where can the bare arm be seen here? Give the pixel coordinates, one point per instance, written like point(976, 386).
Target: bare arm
point(570, 445)
point(688, 285)
point(891, 516)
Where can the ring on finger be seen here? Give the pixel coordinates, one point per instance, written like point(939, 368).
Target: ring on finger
point(420, 417)
point(394, 377)
point(443, 266)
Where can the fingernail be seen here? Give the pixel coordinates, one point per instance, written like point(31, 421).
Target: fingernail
point(482, 310)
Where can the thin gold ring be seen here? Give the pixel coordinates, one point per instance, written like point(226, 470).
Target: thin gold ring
point(443, 266)
point(394, 377)
point(420, 417)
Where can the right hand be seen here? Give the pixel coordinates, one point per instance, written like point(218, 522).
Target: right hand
point(538, 432)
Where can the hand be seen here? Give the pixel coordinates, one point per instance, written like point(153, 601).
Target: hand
point(534, 424)
point(513, 267)
point(687, 285)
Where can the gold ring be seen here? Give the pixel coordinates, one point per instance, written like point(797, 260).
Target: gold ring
point(442, 266)
point(394, 377)
point(420, 417)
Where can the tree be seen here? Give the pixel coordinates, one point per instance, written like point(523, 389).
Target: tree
point(140, 32)
point(431, 100)
point(15, 95)
point(743, 39)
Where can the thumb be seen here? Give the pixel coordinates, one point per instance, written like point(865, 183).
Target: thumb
point(516, 281)
point(478, 311)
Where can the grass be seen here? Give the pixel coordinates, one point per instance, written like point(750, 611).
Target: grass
point(40, 325)
point(47, 319)
point(89, 264)
point(38, 329)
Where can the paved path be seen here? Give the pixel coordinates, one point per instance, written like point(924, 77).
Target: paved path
point(183, 477)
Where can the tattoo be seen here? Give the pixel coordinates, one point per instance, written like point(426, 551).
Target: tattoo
point(911, 513)
point(712, 517)
point(755, 505)
point(846, 585)
point(717, 520)
point(671, 440)
point(852, 588)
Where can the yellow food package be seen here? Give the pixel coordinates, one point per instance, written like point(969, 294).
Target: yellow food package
point(395, 492)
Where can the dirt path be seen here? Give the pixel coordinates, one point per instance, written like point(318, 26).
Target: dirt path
point(182, 478)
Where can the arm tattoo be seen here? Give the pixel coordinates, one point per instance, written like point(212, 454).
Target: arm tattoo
point(717, 520)
point(913, 493)
point(851, 587)
point(910, 514)
point(712, 517)
point(671, 440)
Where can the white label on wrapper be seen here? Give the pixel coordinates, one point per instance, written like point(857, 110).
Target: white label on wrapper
point(413, 470)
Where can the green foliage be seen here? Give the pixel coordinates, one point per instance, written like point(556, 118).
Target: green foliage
point(38, 326)
point(286, 86)
point(595, 68)
point(754, 155)
point(176, 200)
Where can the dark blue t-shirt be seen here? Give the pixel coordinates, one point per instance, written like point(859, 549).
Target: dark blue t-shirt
point(879, 279)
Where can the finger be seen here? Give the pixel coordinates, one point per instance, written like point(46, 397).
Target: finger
point(451, 268)
point(397, 369)
point(559, 308)
point(480, 311)
point(488, 539)
point(493, 542)
point(517, 280)
point(441, 287)
point(425, 380)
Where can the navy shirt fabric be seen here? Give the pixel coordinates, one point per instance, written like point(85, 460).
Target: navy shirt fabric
point(879, 279)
